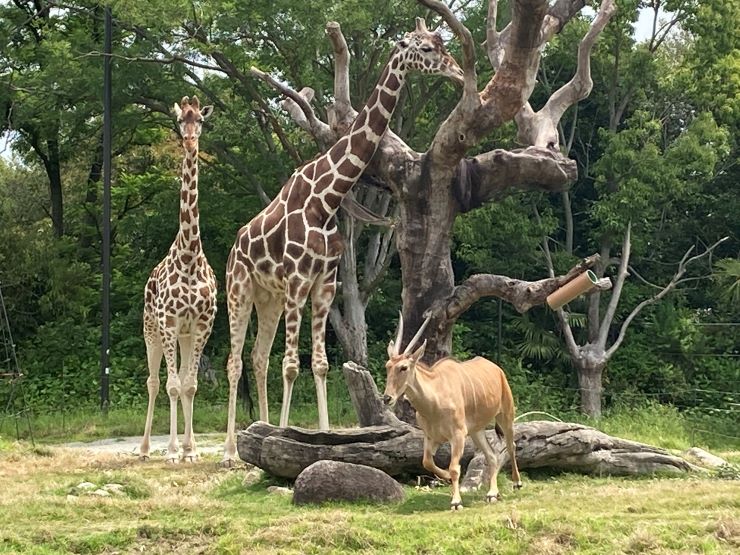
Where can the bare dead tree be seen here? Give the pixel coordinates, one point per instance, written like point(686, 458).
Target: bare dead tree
point(591, 358)
point(435, 186)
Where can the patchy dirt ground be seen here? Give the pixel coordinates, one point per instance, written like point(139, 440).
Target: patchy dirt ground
point(207, 444)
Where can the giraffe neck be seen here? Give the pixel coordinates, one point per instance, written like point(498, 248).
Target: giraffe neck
point(352, 153)
point(188, 238)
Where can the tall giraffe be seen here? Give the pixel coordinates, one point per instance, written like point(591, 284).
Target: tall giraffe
point(290, 251)
point(180, 298)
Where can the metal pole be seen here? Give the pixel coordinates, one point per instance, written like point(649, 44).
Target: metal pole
point(105, 301)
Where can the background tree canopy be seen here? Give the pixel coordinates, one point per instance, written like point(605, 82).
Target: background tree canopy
point(655, 143)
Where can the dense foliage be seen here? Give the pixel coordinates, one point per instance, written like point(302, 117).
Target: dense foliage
point(667, 162)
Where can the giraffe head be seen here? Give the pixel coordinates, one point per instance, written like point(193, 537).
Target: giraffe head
point(424, 51)
point(190, 117)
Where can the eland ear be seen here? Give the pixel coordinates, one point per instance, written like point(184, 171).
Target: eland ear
point(206, 111)
point(178, 111)
point(391, 349)
point(418, 353)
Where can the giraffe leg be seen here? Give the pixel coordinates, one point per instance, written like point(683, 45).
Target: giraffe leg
point(154, 360)
point(189, 388)
point(322, 296)
point(269, 310)
point(481, 442)
point(294, 304)
point(169, 345)
point(239, 300)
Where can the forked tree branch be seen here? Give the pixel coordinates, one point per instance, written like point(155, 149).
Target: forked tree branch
point(342, 102)
point(494, 48)
point(316, 127)
point(672, 284)
point(541, 128)
point(622, 274)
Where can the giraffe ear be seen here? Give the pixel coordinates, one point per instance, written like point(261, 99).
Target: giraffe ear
point(178, 111)
point(206, 111)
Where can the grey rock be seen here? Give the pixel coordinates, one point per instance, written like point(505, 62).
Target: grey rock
point(476, 475)
point(339, 481)
point(705, 458)
point(279, 490)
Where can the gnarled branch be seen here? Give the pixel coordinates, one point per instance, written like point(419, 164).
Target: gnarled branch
point(318, 129)
point(342, 111)
point(495, 172)
point(541, 128)
point(522, 294)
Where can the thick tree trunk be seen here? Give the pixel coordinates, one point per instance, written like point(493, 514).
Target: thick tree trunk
point(589, 381)
point(428, 212)
point(590, 365)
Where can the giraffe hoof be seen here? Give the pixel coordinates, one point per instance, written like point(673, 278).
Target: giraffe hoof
point(189, 458)
point(228, 463)
point(492, 498)
point(518, 485)
point(171, 460)
point(143, 458)
point(456, 506)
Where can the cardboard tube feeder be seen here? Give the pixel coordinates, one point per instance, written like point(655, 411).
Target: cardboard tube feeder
point(575, 287)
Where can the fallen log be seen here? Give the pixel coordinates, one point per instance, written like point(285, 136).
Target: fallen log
point(396, 448)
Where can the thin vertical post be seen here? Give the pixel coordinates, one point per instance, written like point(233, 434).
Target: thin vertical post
point(105, 301)
point(498, 340)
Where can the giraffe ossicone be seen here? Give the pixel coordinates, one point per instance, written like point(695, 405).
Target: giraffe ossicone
point(180, 298)
point(289, 253)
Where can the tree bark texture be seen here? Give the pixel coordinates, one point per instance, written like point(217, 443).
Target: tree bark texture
point(433, 187)
point(398, 450)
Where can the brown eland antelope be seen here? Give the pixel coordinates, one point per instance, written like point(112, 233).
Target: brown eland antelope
point(453, 400)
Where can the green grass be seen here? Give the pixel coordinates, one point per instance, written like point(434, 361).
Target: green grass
point(200, 508)
point(86, 422)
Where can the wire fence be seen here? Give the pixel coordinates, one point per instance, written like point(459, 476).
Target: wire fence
point(720, 420)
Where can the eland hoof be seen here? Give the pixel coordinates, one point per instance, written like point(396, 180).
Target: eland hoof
point(518, 485)
point(143, 458)
point(456, 506)
point(492, 498)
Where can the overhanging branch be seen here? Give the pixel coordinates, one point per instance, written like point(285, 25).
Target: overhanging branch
point(523, 295)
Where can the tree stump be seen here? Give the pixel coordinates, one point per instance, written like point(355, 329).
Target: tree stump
point(396, 448)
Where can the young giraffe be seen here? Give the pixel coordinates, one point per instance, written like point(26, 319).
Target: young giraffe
point(291, 249)
point(180, 298)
